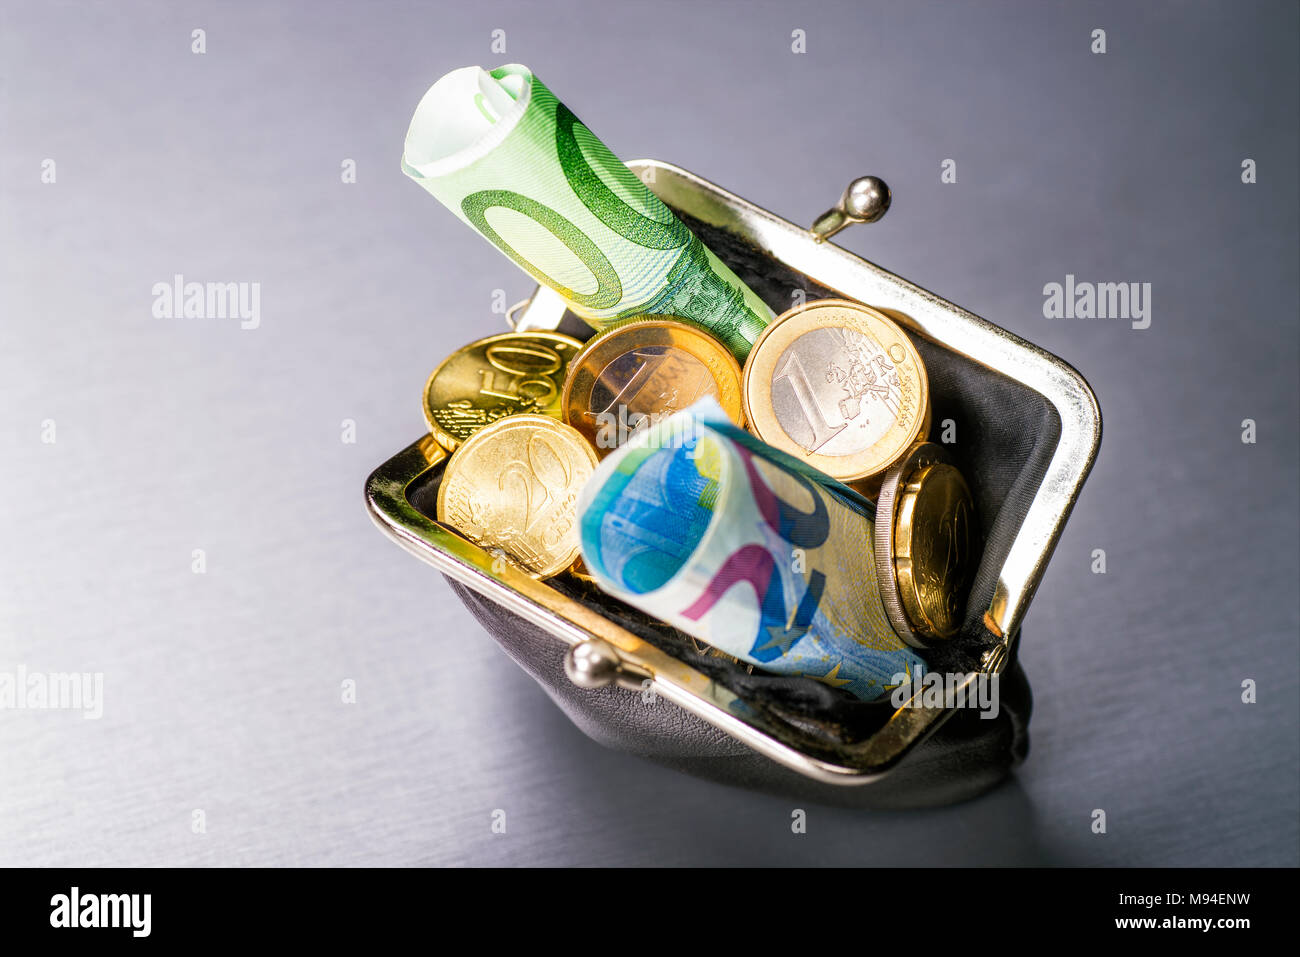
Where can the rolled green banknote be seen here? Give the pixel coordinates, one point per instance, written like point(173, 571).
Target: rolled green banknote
point(502, 153)
point(744, 547)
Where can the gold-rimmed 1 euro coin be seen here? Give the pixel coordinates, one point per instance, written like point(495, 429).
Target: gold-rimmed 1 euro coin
point(838, 385)
point(641, 370)
point(514, 373)
point(512, 489)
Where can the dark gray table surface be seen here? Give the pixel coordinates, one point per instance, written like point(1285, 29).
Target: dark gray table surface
point(222, 690)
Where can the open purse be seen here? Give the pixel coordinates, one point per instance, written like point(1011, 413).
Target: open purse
point(1028, 428)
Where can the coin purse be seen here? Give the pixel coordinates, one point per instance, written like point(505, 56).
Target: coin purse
point(1026, 427)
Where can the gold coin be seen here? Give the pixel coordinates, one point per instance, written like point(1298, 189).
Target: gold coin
point(512, 488)
point(641, 370)
point(838, 385)
point(509, 374)
point(925, 545)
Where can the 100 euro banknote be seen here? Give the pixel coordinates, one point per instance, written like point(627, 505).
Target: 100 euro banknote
point(502, 153)
point(703, 526)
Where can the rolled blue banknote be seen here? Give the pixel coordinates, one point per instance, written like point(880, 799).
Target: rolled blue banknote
point(705, 527)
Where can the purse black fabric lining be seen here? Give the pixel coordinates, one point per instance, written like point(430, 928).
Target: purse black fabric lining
point(1005, 437)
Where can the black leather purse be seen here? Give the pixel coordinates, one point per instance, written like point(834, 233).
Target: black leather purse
point(1027, 430)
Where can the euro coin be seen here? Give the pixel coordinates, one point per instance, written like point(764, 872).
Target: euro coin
point(512, 489)
point(925, 543)
point(642, 370)
point(838, 385)
point(515, 373)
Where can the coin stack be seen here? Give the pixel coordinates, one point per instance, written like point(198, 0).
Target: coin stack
point(526, 416)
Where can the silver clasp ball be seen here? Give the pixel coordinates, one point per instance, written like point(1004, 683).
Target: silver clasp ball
point(592, 664)
point(865, 201)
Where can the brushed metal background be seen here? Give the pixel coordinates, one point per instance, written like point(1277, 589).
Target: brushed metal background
point(222, 690)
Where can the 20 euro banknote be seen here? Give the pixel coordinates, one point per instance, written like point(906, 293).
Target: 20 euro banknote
point(705, 527)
